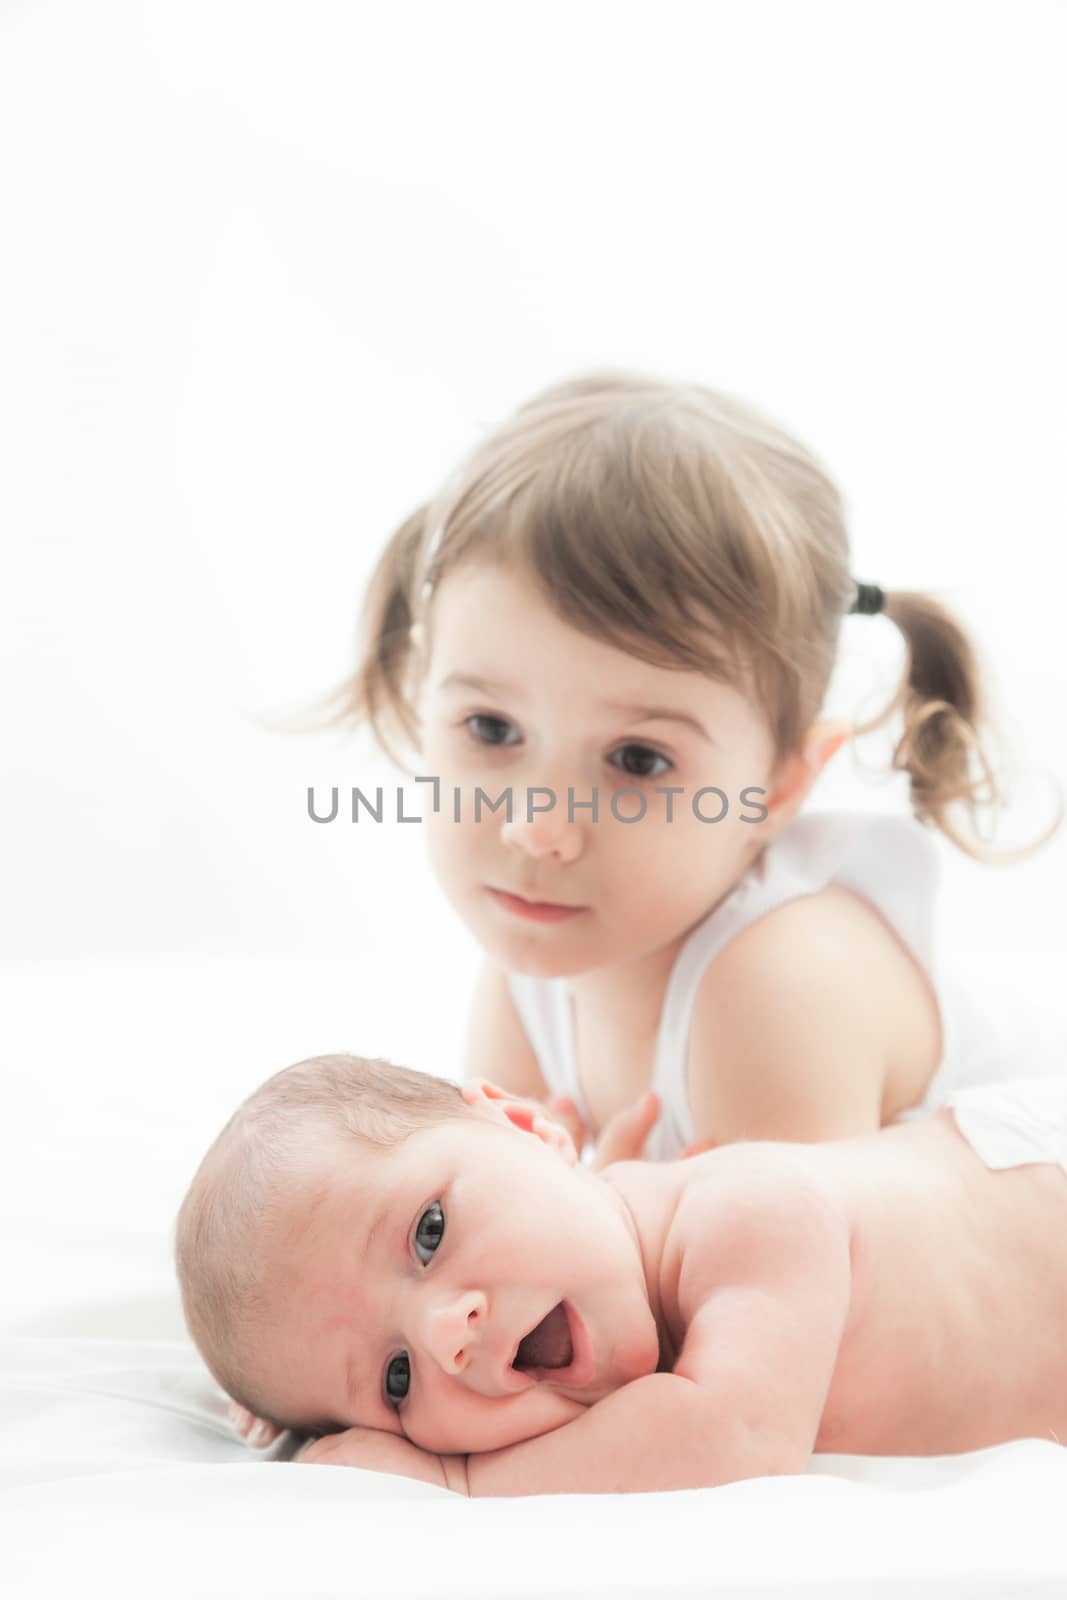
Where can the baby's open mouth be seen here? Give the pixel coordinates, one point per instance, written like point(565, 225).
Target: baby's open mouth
point(547, 1345)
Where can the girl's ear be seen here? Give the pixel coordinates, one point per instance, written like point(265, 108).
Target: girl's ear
point(417, 641)
point(824, 741)
point(417, 668)
point(799, 776)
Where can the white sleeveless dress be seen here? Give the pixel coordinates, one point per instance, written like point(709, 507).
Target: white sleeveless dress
point(893, 863)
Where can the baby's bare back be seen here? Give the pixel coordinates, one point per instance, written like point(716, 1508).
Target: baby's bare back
point(956, 1336)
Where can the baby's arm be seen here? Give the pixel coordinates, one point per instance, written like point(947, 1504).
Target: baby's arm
point(764, 1293)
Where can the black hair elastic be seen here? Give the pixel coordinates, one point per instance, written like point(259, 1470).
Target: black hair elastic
point(869, 600)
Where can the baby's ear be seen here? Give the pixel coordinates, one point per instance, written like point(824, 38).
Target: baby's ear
point(529, 1116)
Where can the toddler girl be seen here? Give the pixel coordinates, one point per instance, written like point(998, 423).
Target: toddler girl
point(618, 621)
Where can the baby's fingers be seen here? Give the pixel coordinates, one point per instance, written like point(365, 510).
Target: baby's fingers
point(623, 1139)
point(255, 1431)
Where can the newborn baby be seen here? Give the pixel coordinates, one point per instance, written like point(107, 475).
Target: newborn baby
point(431, 1278)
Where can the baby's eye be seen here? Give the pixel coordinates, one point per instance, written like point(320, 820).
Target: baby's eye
point(644, 755)
point(397, 1378)
point(429, 1231)
point(491, 725)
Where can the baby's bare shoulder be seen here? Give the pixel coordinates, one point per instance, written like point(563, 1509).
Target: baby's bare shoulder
point(751, 1212)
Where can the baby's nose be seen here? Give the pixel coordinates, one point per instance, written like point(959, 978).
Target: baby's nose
point(453, 1328)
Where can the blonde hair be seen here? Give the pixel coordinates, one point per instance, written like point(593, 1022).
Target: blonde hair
point(240, 1198)
point(687, 529)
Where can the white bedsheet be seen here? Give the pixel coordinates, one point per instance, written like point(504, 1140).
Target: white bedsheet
point(118, 1473)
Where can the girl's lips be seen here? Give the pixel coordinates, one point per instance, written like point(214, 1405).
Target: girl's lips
point(534, 910)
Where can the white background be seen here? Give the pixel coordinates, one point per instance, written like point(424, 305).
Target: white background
point(270, 268)
point(266, 271)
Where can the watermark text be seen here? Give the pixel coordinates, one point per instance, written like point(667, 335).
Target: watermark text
point(625, 805)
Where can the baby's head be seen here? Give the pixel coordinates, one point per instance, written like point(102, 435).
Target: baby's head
point(364, 1245)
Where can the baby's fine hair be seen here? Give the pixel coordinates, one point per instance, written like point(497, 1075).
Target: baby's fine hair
point(276, 1141)
point(685, 528)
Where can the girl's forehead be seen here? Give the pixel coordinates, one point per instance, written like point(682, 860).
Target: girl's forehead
point(485, 616)
point(474, 584)
point(608, 684)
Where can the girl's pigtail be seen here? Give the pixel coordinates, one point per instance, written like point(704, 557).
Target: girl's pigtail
point(943, 705)
point(375, 692)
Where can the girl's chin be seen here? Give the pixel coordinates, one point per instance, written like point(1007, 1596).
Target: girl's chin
point(525, 948)
point(519, 958)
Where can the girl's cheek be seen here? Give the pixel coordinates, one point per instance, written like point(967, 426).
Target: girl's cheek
point(448, 841)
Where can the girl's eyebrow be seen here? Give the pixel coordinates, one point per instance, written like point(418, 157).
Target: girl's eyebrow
point(465, 680)
point(658, 714)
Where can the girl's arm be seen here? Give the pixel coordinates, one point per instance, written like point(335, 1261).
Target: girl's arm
point(791, 1033)
point(499, 1053)
point(497, 1046)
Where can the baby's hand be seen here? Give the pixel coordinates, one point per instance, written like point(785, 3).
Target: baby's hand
point(379, 1451)
point(256, 1431)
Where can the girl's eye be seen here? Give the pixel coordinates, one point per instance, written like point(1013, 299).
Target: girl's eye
point(488, 731)
point(429, 1231)
point(397, 1378)
point(644, 755)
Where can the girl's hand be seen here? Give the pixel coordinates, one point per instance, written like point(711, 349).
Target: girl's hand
point(255, 1431)
point(559, 1121)
point(562, 1109)
point(699, 1147)
point(556, 1120)
point(379, 1451)
point(623, 1137)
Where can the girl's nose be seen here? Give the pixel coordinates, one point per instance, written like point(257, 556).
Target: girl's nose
point(551, 832)
point(453, 1328)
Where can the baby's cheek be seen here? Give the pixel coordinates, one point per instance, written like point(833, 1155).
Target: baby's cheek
point(465, 1423)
